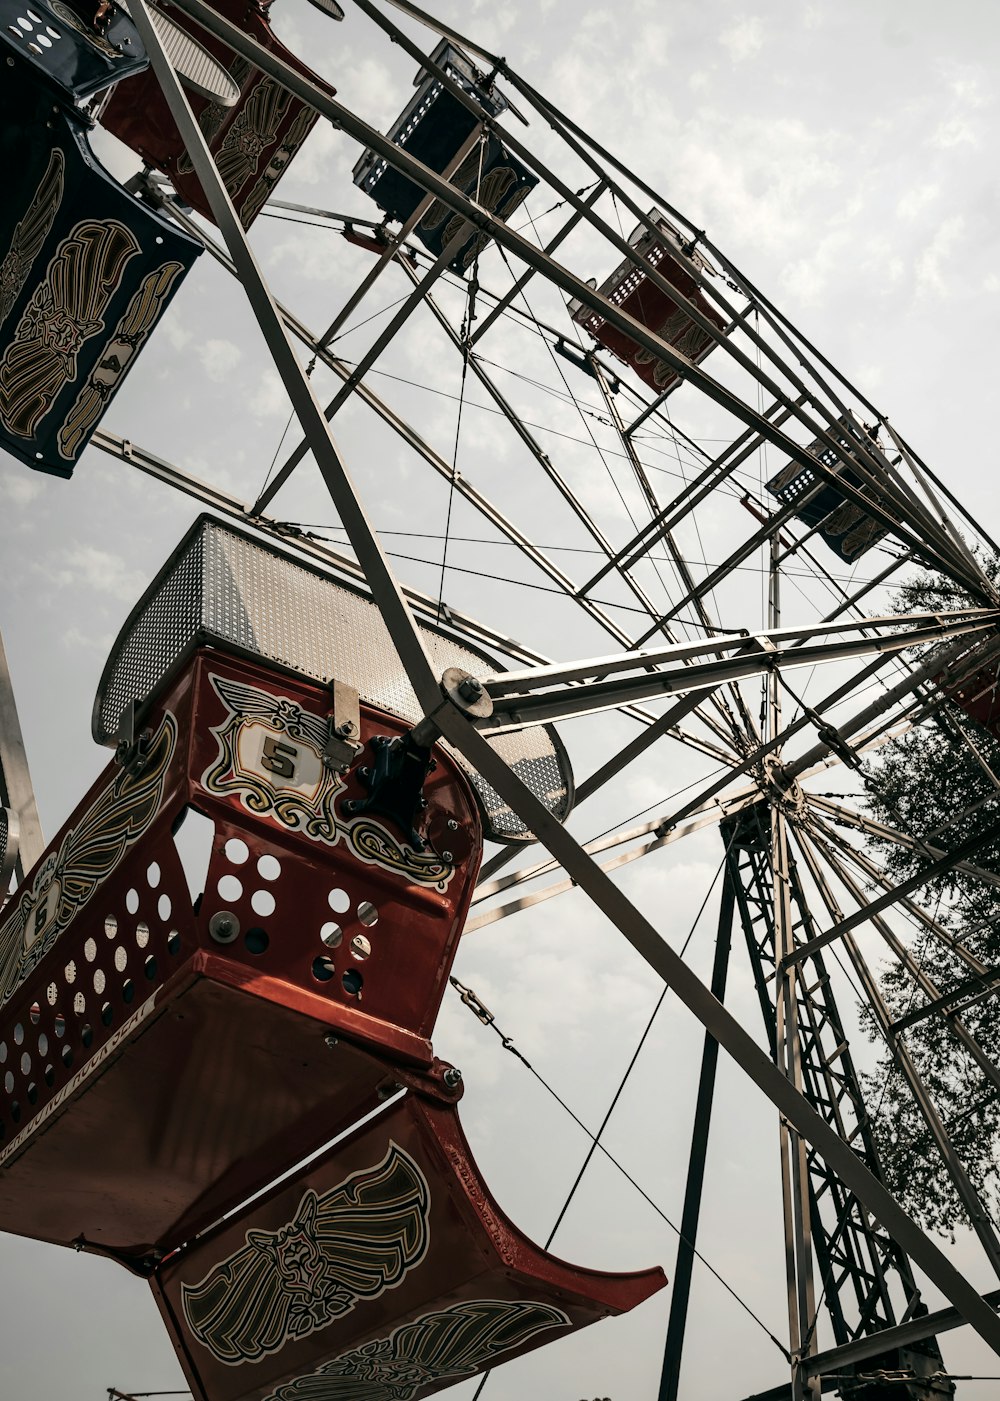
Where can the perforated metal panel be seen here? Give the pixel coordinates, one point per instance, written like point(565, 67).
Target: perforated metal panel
point(223, 587)
point(8, 849)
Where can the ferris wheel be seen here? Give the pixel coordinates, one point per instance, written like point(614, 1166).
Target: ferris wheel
point(575, 558)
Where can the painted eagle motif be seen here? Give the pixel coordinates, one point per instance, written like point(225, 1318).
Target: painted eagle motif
point(449, 1345)
point(31, 232)
point(351, 1243)
point(87, 855)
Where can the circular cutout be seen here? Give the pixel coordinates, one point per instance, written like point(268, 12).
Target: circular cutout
point(48, 1075)
point(331, 934)
point(25, 1063)
point(19, 1035)
point(70, 972)
point(87, 1034)
point(256, 940)
point(353, 982)
point(60, 1027)
point(163, 907)
point(367, 913)
point(360, 947)
point(100, 982)
point(142, 934)
point(121, 958)
point(111, 926)
point(132, 901)
point(153, 875)
point(173, 942)
point(230, 889)
point(67, 1056)
point(8, 1082)
point(32, 1093)
point(107, 1013)
point(236, 851)
point(79, 1004)
point(34, 1014)
point(339, 901)
point(323, 968)
point(90, 950)
point(128, 990)
point(51, 993)
point(43, 1045)
point(3, 1052)
point(149, 968)
point(269, 868)
point(262, 902)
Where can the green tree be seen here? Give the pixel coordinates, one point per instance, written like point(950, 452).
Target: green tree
point(931, 785)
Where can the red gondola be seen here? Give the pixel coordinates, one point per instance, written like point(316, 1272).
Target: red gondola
point(168, 1059)
point(86, 270)
point(386, 1269)
point(630, 288)
point(252, 139)
point(843, 524)
point(175, 1054)
point(434, 127)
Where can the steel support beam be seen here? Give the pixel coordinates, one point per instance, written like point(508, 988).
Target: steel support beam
point(405, 633)
point(893, 896)
point(681, 1282)
point(16, 792)
point(517, 699)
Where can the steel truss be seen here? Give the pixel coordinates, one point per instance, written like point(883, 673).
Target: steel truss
point(860, 1268)
point(682, 675)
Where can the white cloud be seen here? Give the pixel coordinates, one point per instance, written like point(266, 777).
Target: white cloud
point(955, 130)
point(76, 639)
point(19, 488)
point(218, 358)
point(85, 566)
point(743, 39)
point(916, 200)
point(270, 399)
point(931, 264)
point(171, 329)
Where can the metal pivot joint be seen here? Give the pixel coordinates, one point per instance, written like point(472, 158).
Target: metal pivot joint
point(395, 784)
point(466, 693)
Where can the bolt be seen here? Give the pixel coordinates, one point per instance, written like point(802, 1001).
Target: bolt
point(447, 856)
point(452, 1077)
point(331, 1041)
point(452, 825)
point(224, 927)
point(347, 728)
point(387, 1090)
point(470, 688)
point(365, 771)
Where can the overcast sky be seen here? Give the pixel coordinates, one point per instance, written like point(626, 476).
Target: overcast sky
point(843, 154)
